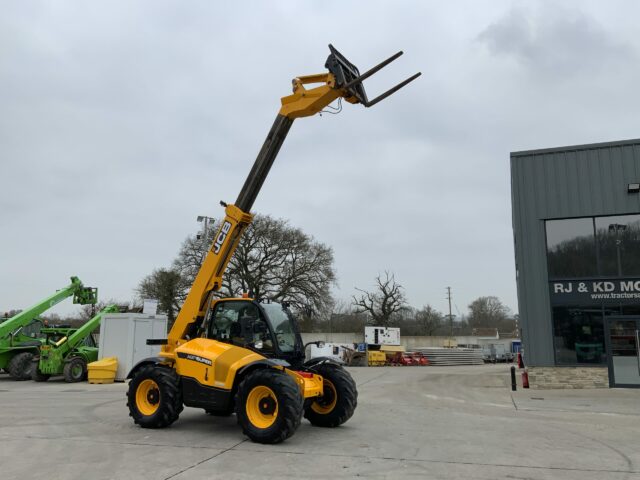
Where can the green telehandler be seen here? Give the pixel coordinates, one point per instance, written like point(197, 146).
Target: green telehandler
point(68, 351)
point(20, 335)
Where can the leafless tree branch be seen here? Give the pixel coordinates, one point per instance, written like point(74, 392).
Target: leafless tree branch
point(383, 303)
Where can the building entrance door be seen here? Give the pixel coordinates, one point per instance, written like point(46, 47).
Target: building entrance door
point(623, 339)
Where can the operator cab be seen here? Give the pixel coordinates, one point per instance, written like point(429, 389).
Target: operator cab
point(32, 329)
point(54, 334)
point(266, 328)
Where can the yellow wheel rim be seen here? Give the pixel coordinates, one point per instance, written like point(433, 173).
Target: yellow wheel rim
point(148, 397)
point(262, 406)
point(329, 399)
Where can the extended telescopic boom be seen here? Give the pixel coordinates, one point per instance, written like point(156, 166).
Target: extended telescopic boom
point(81, 295)
point(343, 80)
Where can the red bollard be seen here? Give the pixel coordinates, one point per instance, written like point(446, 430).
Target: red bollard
point(525, 379)
point(520, 361)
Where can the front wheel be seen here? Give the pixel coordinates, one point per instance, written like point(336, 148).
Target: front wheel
point(339, 399)
point(75, 370)
point(154, 397)
point(269, 406)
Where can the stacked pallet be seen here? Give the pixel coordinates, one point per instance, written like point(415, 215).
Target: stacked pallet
point(451, 356)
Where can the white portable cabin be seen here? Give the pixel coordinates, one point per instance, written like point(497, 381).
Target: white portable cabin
point(382, 336)
point(124, 335)
point(337, 351)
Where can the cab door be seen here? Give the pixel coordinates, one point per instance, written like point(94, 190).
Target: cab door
point(241, 323)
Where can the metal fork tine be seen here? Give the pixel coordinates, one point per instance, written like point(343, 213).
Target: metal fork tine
point(392, 90)
point(373, 70)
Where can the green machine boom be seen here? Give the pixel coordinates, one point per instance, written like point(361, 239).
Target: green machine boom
point(20, 338)
point(67, 351)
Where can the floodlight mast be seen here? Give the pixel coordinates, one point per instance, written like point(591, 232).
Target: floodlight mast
point(343, 80)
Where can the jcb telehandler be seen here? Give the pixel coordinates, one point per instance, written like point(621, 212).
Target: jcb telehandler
point(244, 355)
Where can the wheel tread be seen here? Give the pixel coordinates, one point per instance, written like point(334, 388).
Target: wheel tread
point(20, 366)
point(290, 404)
point(169, 410)
point(347, 397)
point(67, 370)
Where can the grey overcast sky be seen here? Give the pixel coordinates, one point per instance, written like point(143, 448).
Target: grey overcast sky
point(122, 121)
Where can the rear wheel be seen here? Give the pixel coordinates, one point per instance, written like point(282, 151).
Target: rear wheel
point(20, 366)
point(269, 406)
point(75, 370)
point(339, 399)
point(154, 398)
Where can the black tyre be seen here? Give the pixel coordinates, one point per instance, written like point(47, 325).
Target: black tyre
point(37, 376)
point(269, 406)
point(154, 397)
point(20, 366)
point(75, 370)
point(339, 401)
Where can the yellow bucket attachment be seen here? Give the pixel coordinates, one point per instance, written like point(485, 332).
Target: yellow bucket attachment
point(103, 371)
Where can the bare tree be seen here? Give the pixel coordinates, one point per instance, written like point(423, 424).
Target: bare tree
point(168, 287)
point(429, 320)
point(273, 260)
point(488, 312)
point(53, 319)
point(342, 319)
point(87, 312)
point(382, 304)
point(192, 253)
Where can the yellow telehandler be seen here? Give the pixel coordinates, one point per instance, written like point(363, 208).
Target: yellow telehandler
point(246, 355)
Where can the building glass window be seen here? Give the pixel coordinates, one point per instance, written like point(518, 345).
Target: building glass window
point(571, 248)
point(602, 252)
point(619, 245)
point(578, 334)
point(629, 310)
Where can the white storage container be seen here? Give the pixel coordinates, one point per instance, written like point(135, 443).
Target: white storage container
point(337, 351)
point(124, 335)
point(382, 335)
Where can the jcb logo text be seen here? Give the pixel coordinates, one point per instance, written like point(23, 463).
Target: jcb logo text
point(224, 231)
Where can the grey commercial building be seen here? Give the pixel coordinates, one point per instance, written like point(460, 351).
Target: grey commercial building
point(576, 224)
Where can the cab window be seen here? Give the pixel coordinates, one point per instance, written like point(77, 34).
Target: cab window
point(240, 323)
